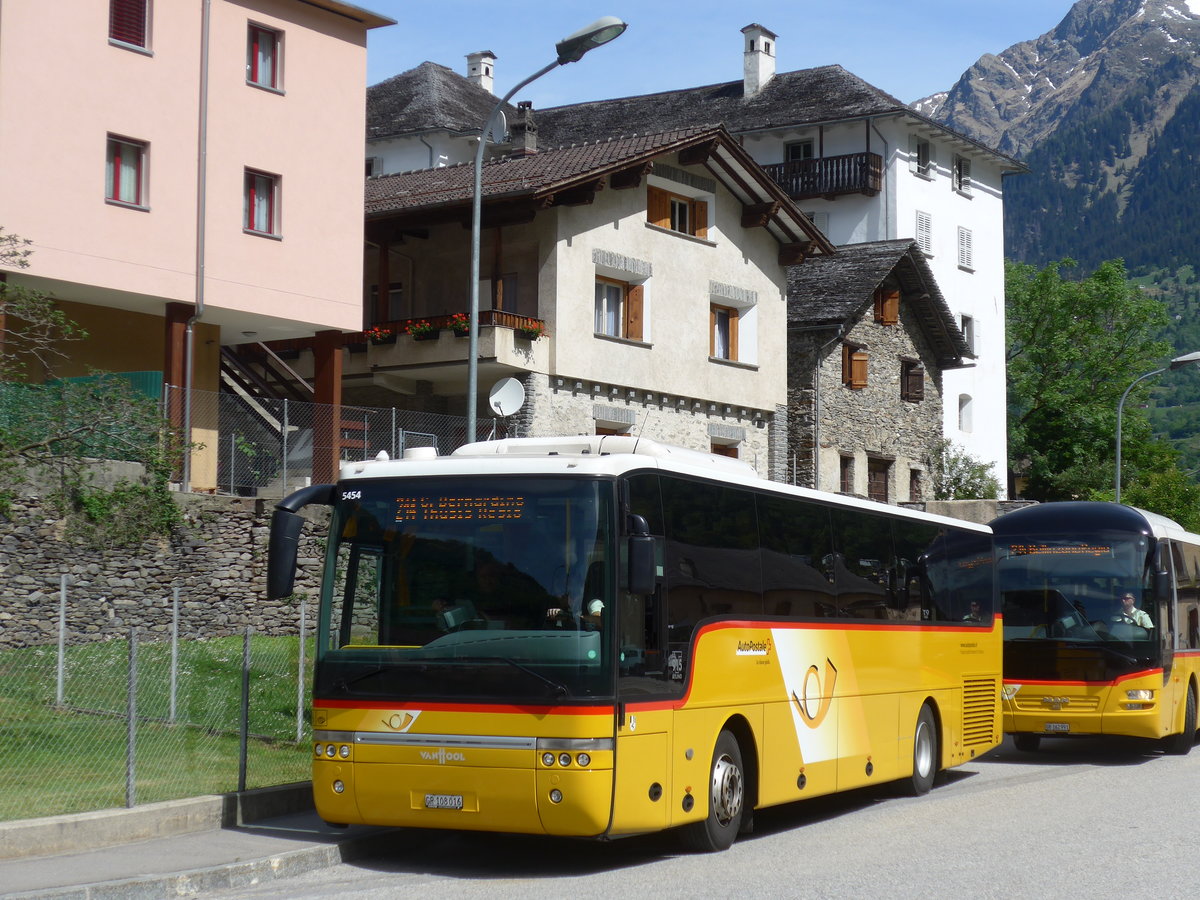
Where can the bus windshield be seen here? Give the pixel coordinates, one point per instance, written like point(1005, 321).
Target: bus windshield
point(469, 588)
point(1085, 589)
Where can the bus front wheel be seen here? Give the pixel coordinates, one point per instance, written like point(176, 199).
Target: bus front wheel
point(1181, 744)
point(726, 799)
point(925, 753)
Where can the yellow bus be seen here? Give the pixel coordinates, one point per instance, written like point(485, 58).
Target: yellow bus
point(606, 636)
point(1101, 607)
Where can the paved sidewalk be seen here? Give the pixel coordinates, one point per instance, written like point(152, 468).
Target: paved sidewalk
point(183, 848)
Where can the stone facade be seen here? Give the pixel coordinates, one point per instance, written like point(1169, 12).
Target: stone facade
point(217, 563)
point(866, 425)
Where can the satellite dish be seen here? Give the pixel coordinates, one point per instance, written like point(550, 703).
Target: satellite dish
point(506, 397)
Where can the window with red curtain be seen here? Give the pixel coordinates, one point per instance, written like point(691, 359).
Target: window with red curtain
point(127, 21)
point(262, 57)
point(123, 171)
point(261, 203)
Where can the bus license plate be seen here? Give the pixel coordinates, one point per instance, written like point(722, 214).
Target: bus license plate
point(443, 801)
point(1058, 727)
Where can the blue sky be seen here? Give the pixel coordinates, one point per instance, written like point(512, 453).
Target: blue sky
point(908, 49)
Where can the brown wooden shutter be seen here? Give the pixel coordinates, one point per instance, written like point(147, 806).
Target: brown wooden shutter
point(633, 312)
point(733, 334)
point(658, 207)
point(914, 383)
point(887, 307)
point(858, 369)
point(700, 218)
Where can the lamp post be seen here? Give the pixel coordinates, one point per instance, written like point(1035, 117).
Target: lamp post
point(1177, 363)
point(569, 49)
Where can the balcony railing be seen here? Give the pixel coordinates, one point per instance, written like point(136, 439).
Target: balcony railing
point(830, 176)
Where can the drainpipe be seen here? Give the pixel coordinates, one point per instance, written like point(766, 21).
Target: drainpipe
point(837, 335)
point(201, 195)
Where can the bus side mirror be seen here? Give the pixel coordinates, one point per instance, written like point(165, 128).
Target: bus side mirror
point(1162, 585)
point(281, 553)
point(642, 570)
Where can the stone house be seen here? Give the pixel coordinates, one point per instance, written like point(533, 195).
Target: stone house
point(656, 266)
point(870, 337)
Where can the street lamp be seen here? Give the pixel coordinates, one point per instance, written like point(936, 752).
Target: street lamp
point(569, 49)
point(1177, 363)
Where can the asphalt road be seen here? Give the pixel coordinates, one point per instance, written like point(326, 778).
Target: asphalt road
point(1081, 818)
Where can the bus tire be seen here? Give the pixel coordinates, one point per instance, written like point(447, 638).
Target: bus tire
point(1181, 744)
point(925, 753)
point(726, 799)
point(1026, 742)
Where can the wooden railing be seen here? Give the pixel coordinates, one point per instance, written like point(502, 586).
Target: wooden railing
point(854, 173)
point(289, 347)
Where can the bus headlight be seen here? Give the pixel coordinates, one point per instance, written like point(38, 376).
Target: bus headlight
point(344, 752)
point(320, 750)
point(1141, 694)
point(584, 760)
point(547, 759)
point(331, 751)
point(556, 796)
point(564, 759)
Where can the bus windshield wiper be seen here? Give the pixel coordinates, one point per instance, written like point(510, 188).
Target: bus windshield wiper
point(560, 689)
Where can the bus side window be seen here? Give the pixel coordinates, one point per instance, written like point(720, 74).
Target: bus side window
point(641, 625)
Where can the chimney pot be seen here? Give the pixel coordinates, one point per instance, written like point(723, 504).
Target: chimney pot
point(481, 68)
point(758, 58)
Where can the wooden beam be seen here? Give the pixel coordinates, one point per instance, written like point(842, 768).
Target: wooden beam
point(794, 254)
point(580, 195)
point(631, 177)
point(697, 155)
point(757, 215)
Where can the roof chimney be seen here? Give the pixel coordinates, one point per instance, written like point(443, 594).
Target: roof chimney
point(524, 131)
point(759, 59)
point(481, 66)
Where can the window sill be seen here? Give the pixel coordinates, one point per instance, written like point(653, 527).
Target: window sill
point(144, 51)
point(121, 203)
point(617, 339)
point(262, 234)
point(924, 176)
point(967, 194)
point(270, 89)
point(970, 270)
point(680, 234)
point(749, 367)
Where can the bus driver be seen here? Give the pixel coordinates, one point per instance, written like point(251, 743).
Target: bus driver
point(1130, 614)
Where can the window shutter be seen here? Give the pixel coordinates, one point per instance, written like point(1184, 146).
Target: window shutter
point(965, 256)
point(924, 232)
point(700, 218)
point(913, 165)
point(658, 207)
point(912, 382)
point(633, 312)
point(887, 307)
point(127, 21)
point(858, 369)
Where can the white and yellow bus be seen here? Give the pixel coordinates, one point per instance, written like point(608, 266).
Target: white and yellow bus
point(604, 636)
point(1078, 659)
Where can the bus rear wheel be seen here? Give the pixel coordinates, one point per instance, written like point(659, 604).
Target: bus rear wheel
point(1181, 744)
point(925, 753)
point(726, 799)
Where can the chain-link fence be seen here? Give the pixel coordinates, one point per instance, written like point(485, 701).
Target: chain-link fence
point(257, 447)
point(153, 716)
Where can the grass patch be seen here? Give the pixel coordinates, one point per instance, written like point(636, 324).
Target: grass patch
point(71, 757)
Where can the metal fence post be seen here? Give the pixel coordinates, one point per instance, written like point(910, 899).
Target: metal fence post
point(300, 673)
point(284, 492)
point(244, 728)
point(62, 641)
point(174, 651)
point(232, 460)
point(131, 726)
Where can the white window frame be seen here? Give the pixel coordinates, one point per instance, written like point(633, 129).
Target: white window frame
point(609, 308)
point(965, 413)
point(924, 228)
point(117, 7)
point(966, 253)
point(918, 147)
point(966, 324)
point(960, 178)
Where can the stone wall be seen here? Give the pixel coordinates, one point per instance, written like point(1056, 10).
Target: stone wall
point(217, 563)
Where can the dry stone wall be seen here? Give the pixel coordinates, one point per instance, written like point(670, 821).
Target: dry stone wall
point(217, 563)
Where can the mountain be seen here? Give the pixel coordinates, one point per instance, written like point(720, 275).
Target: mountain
point(1105, 111)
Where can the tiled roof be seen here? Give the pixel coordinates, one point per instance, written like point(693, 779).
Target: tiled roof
point(427, 98)
point(803, 97)
point(518, 175)
point(838, 290)
point(548, 172)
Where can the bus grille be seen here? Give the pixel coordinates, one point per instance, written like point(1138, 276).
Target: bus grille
point(980, 699)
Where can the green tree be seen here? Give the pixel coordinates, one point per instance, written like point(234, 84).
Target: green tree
point(957, 475)
point(1073, 349)
point(52, 431)
point(1169, 493)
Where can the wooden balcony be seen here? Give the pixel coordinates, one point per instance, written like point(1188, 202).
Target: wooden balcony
point(831, 176)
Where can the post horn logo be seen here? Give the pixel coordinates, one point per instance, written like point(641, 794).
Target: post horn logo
point(402, 721)
point(817, 694)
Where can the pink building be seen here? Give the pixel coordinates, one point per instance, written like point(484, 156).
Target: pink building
point(187, 168)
